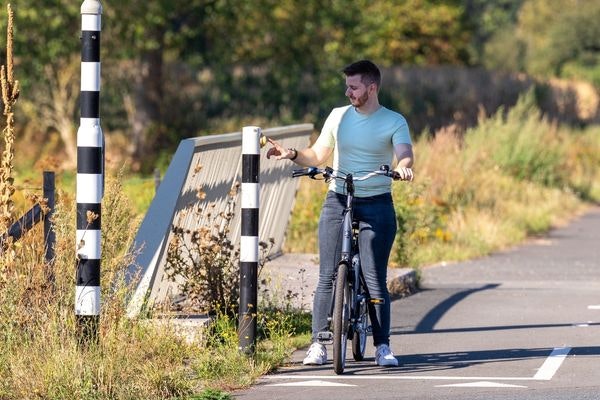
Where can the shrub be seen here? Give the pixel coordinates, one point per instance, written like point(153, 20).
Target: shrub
point(207, 261)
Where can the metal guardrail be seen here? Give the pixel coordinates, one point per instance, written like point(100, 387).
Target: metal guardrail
point(212, 163)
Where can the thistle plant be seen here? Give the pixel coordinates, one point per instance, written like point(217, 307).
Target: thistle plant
point(207, 260)
point(205, 263)
point(10, 93)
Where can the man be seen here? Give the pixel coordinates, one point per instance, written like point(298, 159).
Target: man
point(361, 136)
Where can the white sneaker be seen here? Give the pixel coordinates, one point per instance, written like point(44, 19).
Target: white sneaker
point(316, 355)
point(384, 356)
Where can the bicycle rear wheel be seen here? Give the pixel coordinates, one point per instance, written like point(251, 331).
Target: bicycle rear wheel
point(341, 318)
point(359, 339)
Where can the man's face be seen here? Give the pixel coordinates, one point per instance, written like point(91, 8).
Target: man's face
point(356, 91)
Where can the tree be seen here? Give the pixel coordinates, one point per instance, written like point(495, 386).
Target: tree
point(141, 37)
point(561, 38)
point(46, 44)
point(421, 32)
point(492, 26)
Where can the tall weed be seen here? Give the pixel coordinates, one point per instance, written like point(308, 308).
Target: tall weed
point(521, 143)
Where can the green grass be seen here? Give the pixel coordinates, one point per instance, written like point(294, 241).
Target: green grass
point(141, 190)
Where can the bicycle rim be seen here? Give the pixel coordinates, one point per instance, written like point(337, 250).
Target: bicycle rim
point(341, 313)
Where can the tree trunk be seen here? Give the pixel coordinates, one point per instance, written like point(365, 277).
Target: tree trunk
point(144, 110)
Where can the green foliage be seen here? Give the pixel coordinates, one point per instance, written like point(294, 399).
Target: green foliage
point(523, 147)
point(179, 69)
point(492, 24)
point(504, 51)
point(414, 32)
point(553, 38)
point(213, 394)
point(420, 222)
point(301, 236)
point(46, 32)
point(222, 365)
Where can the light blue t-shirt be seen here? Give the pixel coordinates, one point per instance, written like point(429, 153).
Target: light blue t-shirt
point(361, 144)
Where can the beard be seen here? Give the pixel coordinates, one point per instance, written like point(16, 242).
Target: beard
point(359, 101)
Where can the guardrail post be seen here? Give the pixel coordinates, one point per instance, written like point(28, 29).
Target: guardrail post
point(90, 175)
point(249, 239)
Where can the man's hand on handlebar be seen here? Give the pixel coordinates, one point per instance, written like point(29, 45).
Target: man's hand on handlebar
point(402, 174)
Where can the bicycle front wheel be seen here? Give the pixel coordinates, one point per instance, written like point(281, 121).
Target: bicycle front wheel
point(341, 318)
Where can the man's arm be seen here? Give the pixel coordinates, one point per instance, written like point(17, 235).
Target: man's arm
point(308, 157)
point(405, 156)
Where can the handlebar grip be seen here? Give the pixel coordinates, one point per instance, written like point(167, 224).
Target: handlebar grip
point(387, 171)
point(308, 171)
point(299, 172)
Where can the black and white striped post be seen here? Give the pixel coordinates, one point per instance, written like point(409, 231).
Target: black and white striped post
point(90, 174)
point(249, 238)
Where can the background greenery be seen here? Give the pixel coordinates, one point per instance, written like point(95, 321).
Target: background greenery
point(181, 69)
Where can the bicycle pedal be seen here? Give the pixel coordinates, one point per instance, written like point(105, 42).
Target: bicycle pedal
point(325, 337)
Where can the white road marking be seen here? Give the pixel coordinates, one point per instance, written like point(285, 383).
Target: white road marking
point(544, 373)
point(552, 363)
point(484, 384)
point(403, 377)
point(594, 307)
point(313, 383)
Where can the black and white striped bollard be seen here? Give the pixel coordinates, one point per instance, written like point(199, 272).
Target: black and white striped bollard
point(249, 238)
point(90, 174)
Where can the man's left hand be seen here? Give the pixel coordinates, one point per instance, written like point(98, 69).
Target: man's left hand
point(403, 174)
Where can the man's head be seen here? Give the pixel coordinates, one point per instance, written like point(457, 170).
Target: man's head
point(368, 71)
point(362, 83)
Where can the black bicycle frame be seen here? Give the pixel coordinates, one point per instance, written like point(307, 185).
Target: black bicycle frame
point(347, 224)
point(347, 242)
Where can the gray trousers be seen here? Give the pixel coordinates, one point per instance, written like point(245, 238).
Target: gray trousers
point(377, 230)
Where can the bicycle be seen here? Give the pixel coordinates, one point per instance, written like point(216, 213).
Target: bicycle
point(349, 315)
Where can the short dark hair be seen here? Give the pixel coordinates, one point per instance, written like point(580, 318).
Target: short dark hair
point(366, 69)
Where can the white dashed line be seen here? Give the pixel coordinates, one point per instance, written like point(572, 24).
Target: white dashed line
point(552, 363)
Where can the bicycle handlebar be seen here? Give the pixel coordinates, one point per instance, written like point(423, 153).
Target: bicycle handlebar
point(330, 173)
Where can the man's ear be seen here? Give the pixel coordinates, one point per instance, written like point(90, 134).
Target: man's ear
point(373, 88)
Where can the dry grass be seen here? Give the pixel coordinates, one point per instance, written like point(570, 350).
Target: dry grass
point(41, 355)
point(512, 176)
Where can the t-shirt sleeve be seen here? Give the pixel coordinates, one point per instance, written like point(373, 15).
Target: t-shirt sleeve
point(401, 134)
point(327, 136)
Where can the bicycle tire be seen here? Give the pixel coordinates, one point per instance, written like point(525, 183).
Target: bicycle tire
point(359, 338)
point(340, 319)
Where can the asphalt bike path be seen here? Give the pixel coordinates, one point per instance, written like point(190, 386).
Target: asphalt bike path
point(520, 324)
